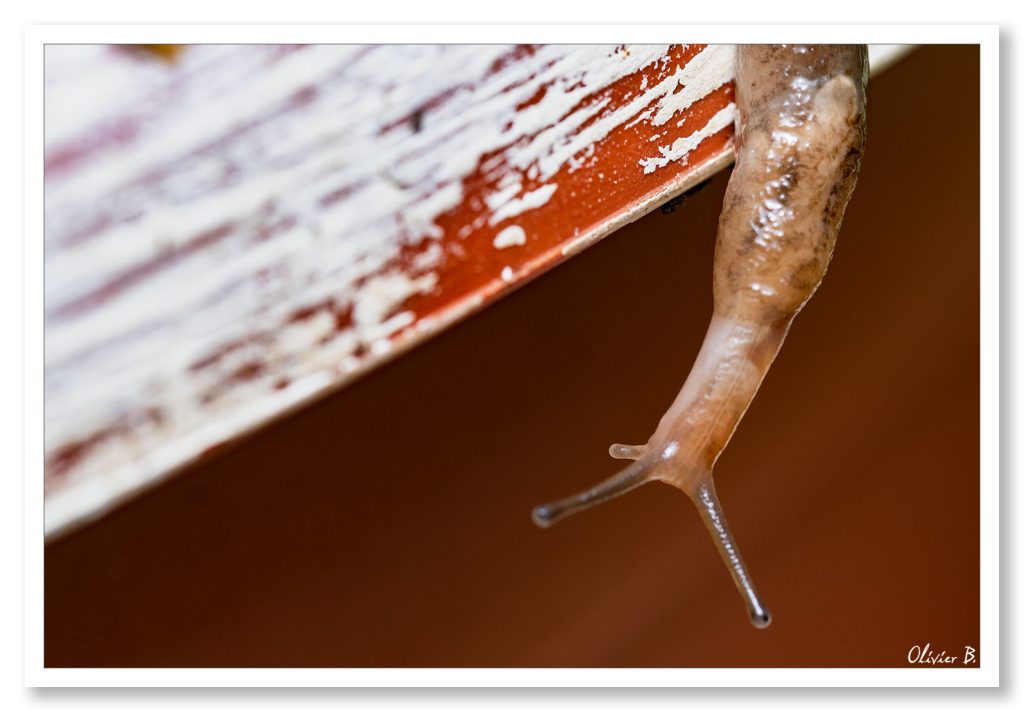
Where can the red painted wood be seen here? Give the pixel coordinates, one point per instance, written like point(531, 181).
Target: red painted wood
point(143, 419)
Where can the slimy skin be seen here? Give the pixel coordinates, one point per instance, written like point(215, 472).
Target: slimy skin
point(801, 129)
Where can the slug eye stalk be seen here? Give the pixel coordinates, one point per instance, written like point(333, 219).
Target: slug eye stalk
point(801, 129)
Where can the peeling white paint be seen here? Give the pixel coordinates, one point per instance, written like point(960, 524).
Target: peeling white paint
point(379, 297)
point(511, 236)
point(506, 192)
point(681, 147)
point(530, 201)
point(306, 179)
point(707, 71)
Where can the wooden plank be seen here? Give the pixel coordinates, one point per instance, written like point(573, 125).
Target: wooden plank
point(236, 232)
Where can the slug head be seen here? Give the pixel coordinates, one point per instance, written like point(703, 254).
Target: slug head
point(666, 463)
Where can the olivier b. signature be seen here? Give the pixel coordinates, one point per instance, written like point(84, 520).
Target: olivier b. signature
point(924, 655)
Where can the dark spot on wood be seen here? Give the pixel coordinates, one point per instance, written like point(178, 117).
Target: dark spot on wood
point(671, 205)
point(247, 372)
point(308, 312)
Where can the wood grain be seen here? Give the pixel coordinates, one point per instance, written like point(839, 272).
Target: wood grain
point(234, 233)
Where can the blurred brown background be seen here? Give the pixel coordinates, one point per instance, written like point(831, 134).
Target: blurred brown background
point(389, 525)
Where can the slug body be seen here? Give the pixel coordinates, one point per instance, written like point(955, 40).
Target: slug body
point(801, 129)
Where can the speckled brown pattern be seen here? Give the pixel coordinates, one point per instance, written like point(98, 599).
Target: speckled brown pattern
point(801, 130)
point(802, 126)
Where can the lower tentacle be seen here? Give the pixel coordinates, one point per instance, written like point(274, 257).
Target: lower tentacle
point(625, 480)
point(706, 500)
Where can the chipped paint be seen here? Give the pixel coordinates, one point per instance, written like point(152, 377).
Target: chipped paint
point(233, 234)
point(248, 228)
point(681, 147)
point(510, 237)
point(529, 201)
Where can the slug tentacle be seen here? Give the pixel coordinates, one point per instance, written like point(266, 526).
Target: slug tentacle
point(714, 519)
point(801, 128)
point(630, 478)
point(627, 452)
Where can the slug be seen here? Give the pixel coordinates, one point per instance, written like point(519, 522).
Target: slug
point(800, 132)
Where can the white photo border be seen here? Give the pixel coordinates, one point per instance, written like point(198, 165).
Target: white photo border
point(987, 675)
